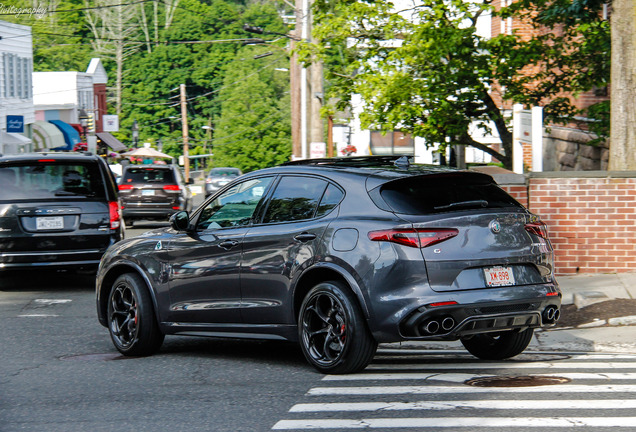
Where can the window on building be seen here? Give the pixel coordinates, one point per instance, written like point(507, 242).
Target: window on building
point(392, 143)
point(17, 76)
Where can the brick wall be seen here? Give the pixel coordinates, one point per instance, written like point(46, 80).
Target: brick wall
point(591, 217)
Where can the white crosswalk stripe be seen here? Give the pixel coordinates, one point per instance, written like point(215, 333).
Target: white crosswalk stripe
point(450, 423)
point(419, 389)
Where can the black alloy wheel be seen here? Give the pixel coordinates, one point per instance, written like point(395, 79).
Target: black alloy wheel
point(131, 320)
point(333, 334)
point(498, 346)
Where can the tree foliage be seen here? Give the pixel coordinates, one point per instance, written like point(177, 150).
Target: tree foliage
point(253, 128)
point(150, 48)
point(426, 70)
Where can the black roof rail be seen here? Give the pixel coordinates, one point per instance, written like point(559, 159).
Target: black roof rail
point(400, 161)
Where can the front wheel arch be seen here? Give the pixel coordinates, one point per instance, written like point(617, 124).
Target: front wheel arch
point(131, 317)
point(109, 278)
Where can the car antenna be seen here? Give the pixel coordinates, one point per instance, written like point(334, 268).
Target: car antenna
point(402, 162)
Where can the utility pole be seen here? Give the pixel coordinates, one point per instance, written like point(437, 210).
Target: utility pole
point(623, 112)
point(304, 118)
point(294, 84)
point(184, 127)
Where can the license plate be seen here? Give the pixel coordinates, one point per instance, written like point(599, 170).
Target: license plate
point(147, 192)
point(499, 276)
point(49, 223)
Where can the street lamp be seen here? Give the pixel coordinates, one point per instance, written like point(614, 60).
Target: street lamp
point(83, 119)
point(135, 133)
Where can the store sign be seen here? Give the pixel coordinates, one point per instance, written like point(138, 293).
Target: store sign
point(111, 123)
point(15, 123)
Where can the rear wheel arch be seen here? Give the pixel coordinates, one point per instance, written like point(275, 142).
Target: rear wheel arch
point(323, 273)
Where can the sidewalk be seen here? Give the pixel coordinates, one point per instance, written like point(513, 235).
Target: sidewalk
point(584, 290)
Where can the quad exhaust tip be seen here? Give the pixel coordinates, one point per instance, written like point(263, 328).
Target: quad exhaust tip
point(551, 314)
point(435, 326)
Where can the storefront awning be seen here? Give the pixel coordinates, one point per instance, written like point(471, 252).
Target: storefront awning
point(11, 143)
point(111, 141)
point(14, 138)
point(71, 136)
point(46, 136)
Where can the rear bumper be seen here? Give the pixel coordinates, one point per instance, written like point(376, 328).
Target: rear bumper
point(452, 322)
point(51, 259)
point(148, 213)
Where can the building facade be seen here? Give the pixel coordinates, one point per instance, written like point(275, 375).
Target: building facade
point(16, 94)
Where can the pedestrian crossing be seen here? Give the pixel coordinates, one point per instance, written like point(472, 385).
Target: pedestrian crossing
point(412, 389)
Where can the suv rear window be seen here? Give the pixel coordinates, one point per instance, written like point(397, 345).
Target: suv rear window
point(47, 180)
point(445, 193)
point(148, 175)
point(220, 172)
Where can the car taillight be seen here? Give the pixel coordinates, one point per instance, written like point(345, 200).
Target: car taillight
point(171, 187)
point(125, 187)
point(537, 228)
point(419, 238)
point(113, 211)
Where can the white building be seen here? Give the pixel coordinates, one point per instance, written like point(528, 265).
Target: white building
point(60, 97)
point(16, 94)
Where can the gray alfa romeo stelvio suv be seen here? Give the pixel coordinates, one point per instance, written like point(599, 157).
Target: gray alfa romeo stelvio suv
point(339, 255)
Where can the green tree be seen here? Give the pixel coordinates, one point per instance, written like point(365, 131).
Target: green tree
point(202, 40)
point(253, 130)
point(59, 34)
point(427, 71)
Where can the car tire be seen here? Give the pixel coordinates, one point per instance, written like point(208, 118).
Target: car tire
point(131, 317)
point(498, 346)
point(333, 333)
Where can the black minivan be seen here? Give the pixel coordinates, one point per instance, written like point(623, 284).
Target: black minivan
point(57, 211)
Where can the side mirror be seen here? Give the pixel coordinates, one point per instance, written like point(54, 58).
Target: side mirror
point(190, 181)
point(180, 221)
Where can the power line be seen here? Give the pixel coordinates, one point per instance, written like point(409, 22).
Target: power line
point(18, 11)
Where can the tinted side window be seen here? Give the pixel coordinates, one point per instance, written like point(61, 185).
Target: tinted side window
point(330, 199)
point(445, 193)
point(295, 198)
point(234, 207)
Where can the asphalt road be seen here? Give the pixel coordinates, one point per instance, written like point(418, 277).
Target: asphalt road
point(60, 372)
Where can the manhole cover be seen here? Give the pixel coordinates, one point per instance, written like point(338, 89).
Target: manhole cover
point(94, 357)
point(516, 381)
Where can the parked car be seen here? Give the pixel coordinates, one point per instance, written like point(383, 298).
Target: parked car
point(153, 192)
point(219, 177)
point(339, 255)
point(57, 211)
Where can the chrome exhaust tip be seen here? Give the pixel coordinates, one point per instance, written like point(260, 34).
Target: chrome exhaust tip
point(448, 323)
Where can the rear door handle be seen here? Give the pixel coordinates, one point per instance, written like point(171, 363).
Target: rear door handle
point(228, 244)
point(305, 237)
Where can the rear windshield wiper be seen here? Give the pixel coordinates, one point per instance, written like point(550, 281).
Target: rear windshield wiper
point(463, 204)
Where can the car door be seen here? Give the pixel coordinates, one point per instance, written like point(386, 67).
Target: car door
point(205, 269)
point(282, 245)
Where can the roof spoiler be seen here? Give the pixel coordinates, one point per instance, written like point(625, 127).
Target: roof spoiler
point(400, 161)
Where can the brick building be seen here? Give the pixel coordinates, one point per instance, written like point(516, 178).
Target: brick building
point(565, 147)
